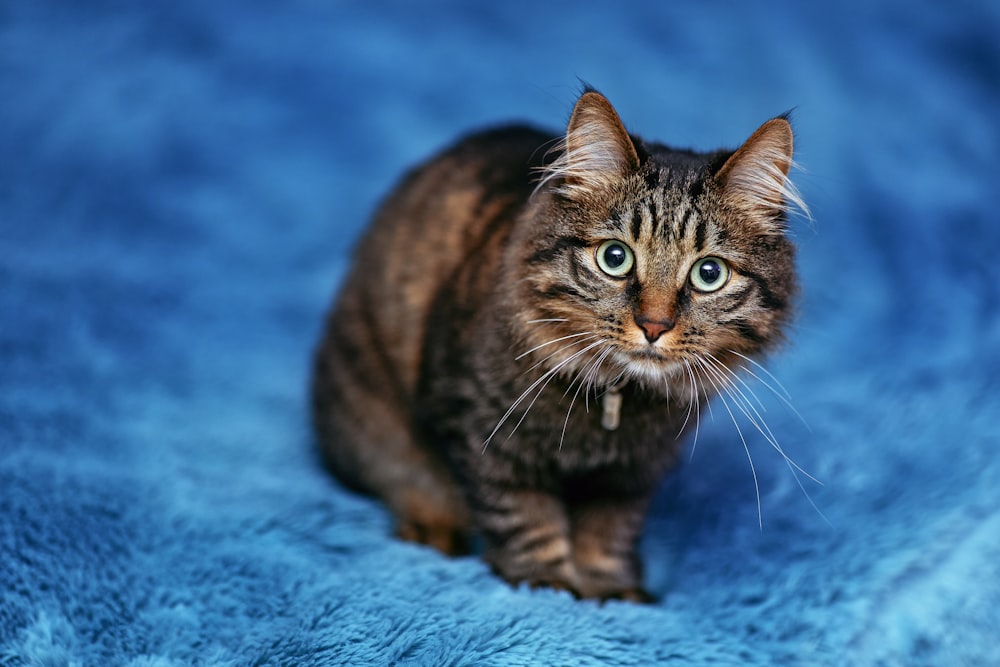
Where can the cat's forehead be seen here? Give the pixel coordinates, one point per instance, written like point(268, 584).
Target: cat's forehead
point(665, 215)
point(673, 167)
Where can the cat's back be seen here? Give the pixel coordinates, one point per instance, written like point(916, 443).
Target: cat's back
point(441, 216)
point(455, 194)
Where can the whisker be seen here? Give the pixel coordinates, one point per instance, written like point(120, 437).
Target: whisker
point(704, 390)
point(743, 403)
point(542, 380)
point(585, 371)
point(793, 467)
point(551, 342)
point(785, 397)
point(759, 422)
point(560, 350)
point(569, 411)
point(693, 405)
point(739, 398)
point(585, 378)
point(552, 375)
point(593, 379)
point(746, 448)
point(731, 377)
point(764, 370)
point(666, 392)
point(594, 368)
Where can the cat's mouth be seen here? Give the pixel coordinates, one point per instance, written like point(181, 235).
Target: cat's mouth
point(650, 366)
point(647, 353)
point(648, 361)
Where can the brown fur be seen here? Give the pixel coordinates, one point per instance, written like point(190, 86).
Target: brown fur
point(477, 352)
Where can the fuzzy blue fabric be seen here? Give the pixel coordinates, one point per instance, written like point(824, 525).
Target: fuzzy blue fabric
point(180, 187)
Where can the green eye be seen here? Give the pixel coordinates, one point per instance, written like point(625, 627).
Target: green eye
point(615, 258)
point(709, 274)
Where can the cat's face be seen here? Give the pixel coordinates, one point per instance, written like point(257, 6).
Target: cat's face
point(663, 270)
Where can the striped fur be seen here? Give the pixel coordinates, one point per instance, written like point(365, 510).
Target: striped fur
point(481, 372)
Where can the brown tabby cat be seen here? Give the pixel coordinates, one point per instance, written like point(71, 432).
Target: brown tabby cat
point(519, 357)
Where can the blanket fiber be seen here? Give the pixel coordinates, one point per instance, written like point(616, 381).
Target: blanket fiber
point(181, 184)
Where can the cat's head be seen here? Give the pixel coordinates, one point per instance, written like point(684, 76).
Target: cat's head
point(655, 265)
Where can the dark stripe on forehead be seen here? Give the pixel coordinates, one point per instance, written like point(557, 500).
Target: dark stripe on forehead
point(697, 188)
point(700, 232)
point(653, 178)
point(654, 219)
point(682, 226)
point(661, 223)
point(636, 221)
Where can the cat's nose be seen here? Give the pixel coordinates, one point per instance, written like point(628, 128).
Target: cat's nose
point(654, 328)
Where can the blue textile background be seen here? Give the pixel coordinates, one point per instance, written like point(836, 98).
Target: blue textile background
point(180, 187)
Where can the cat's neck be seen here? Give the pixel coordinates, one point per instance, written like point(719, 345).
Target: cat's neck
point(611, 406)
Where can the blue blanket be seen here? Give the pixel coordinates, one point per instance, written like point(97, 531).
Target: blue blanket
point(181, 184)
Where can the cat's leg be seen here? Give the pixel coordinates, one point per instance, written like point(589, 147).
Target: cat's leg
point(366, 440)
point(605, 532)
point(421, 492)
point(527, 535)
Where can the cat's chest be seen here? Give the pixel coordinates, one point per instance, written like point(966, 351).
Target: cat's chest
point(605, 428)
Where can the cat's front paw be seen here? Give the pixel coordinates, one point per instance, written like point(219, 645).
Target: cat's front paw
point(636, 595)
point(556, 585)
point(446, 538)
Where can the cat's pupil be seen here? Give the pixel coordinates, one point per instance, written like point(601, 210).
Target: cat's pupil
point(710, 272)
point(615, 256)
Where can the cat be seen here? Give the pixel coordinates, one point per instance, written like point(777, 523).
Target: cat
point(526, 336)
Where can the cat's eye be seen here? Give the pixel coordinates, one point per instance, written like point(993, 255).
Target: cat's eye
point(615, 258)
point(709, 274)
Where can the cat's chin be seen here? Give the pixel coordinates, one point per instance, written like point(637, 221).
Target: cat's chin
point(648, 354)
point(651, 368)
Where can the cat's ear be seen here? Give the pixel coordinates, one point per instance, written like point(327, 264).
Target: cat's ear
point(598, 150)
point(755, 178)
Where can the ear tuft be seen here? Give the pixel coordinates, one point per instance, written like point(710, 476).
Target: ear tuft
point(755, 178)
point(596, 152)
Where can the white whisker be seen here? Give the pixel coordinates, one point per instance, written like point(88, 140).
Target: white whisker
point(694, 406)
point(551, 342)
point(560, 350)
point(745, 406)
point(542, 380)
point(592, 377)
point(783, 394)
point(558, 367)
point(569, 411)
point(763, 370)
point(585, 378)
point(753, 470)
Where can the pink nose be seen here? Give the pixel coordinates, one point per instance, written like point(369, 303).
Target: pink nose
point(655, 328)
